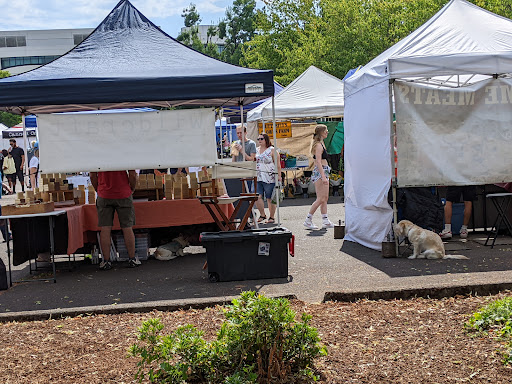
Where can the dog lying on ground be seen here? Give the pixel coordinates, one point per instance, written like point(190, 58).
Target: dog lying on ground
point(171, 250)
point(427, 244)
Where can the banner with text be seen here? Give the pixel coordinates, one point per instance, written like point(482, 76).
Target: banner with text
point(457, 136)
point(75, 142)
point(283, 129)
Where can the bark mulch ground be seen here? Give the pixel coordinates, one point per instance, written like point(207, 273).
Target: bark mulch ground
point(413, 341)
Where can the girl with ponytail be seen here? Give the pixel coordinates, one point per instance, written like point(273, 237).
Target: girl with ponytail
point(320, 178)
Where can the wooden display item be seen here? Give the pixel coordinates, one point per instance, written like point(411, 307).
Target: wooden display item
point(8, 210)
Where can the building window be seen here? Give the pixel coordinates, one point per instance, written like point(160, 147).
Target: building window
point(13, 41)
point(77, 39)
point(9, 62)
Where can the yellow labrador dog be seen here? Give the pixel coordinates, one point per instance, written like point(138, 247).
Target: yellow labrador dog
point(427, 244)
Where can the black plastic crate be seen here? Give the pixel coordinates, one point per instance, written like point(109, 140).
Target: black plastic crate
point(247, 255)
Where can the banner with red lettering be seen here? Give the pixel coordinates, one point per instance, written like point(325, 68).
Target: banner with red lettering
point(454, 136)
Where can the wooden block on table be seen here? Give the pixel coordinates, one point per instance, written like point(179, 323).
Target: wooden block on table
point(45, 196)
point(159, 182)
point(92, 198)
point(81, 187)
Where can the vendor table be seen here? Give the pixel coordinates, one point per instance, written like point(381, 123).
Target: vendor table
point(26, 219)
point(75, 223)
point(501, 201)
point(290, 169)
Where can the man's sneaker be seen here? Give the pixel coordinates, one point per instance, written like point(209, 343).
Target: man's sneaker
point(309, 224)
point(445, 234)
point(463, 233)
point(327, 224)
point(133, 263)
point(106, 265)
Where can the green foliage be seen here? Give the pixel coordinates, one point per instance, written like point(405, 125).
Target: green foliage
point(260, 341)
point(4, 74)
point(495, 319)
point(336, 35)
point(236, 29)
point(191, 16)
point(9, 119)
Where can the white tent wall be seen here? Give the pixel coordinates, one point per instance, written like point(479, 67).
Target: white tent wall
point(368, 166)
point(162, 139)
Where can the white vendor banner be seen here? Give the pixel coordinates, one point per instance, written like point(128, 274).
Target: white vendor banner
point(458, 136)
point(73, 142)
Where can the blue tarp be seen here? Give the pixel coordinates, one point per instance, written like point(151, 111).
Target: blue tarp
point(129, 60)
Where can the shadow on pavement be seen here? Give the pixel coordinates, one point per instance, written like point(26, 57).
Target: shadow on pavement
point(481, 259)
point(86, 285)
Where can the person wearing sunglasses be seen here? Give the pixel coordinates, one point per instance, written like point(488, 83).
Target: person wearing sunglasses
point(267, 177)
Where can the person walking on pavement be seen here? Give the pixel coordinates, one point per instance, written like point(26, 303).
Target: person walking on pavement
point(115, 189)
point(320, 177)
point(19, 161)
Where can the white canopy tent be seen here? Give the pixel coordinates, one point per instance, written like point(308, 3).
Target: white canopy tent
point(450, 81)
point(314, 94)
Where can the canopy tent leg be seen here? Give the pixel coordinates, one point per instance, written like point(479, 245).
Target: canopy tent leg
point(393, 165)
point(25, 144)
point(276, 159)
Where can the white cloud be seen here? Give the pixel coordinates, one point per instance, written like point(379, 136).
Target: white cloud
point(54, 14)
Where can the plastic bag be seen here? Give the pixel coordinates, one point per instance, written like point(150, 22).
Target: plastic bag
point(278, 191)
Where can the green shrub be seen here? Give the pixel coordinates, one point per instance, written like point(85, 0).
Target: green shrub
point(496, 317)
point(260, 341)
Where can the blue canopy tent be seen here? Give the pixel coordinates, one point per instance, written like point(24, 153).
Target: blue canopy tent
point(233, 113)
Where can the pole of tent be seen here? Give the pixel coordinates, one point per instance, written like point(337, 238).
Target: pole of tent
point(393, 164)
point(276, 159)
point(25, 144)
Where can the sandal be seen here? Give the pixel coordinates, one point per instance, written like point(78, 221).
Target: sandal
point(261, 219)
point(271, 220)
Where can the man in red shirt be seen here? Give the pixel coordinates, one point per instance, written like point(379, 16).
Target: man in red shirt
point(115, 189)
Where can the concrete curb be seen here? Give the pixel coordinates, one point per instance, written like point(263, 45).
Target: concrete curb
point(164, 305)
point(432, 293)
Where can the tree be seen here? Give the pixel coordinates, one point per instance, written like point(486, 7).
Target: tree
point(191, 16)
point(289, 38)
point(6, 118)
point(337, 35)
point(190, 36)
point(237, 28)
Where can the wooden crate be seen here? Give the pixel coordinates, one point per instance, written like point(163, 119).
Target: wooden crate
point(8, 210)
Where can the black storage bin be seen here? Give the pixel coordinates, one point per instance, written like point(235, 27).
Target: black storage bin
point(3, 276)
point(247, 255)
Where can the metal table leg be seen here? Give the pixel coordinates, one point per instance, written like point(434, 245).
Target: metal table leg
point(52, 248)
point(8, 250)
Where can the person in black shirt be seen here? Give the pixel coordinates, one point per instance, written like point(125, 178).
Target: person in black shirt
point(19, 161)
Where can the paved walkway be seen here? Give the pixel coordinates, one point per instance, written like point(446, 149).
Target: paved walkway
point(323, 268)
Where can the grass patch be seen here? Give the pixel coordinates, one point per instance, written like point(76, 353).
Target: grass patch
point(495, 320)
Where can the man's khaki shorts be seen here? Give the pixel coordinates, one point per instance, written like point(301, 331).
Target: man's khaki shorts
point(123, 207)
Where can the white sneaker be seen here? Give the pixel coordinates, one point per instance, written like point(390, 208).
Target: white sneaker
point(445, 234)
point(309, 224)
point(463, 233)
point(327, 224)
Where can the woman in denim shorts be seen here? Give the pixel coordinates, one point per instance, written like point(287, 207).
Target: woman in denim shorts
point(320, 177)
point(266, 177)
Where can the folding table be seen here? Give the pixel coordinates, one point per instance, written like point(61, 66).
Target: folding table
point(50, 216)
point(501, 201)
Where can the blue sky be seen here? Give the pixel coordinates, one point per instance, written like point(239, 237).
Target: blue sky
point(56, 14)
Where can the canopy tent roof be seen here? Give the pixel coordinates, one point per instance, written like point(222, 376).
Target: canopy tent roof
point(461, 39)
point(313, 94)
point(127, 61)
